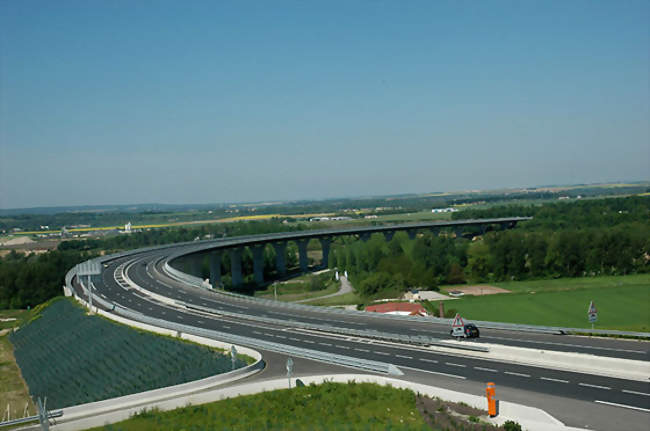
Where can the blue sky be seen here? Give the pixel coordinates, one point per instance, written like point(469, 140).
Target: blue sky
point(106, 102)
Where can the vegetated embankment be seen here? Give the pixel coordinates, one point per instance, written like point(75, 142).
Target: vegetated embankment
point(73, 358)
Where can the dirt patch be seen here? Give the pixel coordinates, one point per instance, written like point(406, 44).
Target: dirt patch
point(481, 289)
point(445, 415)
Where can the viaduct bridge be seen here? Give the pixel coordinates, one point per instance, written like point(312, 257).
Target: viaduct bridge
point(257, 243)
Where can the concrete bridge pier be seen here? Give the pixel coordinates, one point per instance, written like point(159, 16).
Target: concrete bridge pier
point(365, 236)
point(325, 244)
point(388, 235)
point(302, 254)
point(235, 266)
point(195, 265)
point(280, 257)
point(412, 233)
point(215, 268)
point(258, 263)
point(458, 231)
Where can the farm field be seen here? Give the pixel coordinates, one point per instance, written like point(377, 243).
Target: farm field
point(622, 302)
point(73, 358)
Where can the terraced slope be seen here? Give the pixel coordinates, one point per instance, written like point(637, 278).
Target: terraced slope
point(73, 358)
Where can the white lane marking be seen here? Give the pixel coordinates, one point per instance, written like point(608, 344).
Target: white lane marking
point(567, 345)
point(455, 376)
point(433, 361)
point(625, 406)
point(452, 364)
point(512, 373)
point(325, 344)
point(492, 370)
point(227, 327)
point(362, 350)
point(281, 336)
point(200, 321)
point(257, 332)
point(269, 335)
point(307, 341)
point(342, 347)
point(594, 386)
point(293, 339)
point(636, 393)
point(404, 356)
point(383, 353)
point(554, 380)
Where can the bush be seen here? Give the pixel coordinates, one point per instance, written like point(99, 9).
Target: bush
point(511, 426)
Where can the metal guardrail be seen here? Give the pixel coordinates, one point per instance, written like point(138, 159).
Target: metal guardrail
point(364, 364)
point(197, 282)
point(386, 336)
point(28, 419)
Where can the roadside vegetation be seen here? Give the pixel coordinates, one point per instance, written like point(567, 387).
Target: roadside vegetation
point(302, 287)
point(585, 238)
point(73, 358)
point(13, 392)
point(622, 303)
point(328, 406)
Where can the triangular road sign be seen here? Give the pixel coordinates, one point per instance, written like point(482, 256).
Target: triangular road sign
point(592, 308)
point(458, 322)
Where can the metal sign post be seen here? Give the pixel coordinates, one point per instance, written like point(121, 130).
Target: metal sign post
point(233, 356)
point(89, 268)
point(289, 370)
point(592, 313)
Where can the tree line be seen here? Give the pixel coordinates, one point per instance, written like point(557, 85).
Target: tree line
point(28, 280)
point(582, 238)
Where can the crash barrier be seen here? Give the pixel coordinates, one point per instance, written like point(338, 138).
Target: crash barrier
point(197, 282)
point(179, 329)
point(367, 333)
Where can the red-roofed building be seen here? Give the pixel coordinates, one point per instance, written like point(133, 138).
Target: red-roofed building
point(403, 308)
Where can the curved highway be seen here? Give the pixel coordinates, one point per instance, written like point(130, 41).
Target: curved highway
point(146, 268)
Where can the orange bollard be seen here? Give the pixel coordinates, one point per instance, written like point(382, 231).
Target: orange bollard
point(490, 393)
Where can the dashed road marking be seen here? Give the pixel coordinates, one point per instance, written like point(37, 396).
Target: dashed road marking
point(325, 344)
point(492, 370)
point(404, 356)
point(554, 380)
point(433, 361)
point(512, 373)
point(636, 393)
point(342, 347)
point(362, 350)
point(594, 386)
point(383, 353)
point(452, 364)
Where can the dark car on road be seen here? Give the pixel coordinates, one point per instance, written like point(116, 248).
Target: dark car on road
point(468, 330)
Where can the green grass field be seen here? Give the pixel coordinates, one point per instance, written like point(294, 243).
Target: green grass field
point(330, 406)
point(345, 299)
point(622, 303)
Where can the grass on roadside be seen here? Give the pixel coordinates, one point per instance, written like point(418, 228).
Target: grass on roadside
point(13, 388)
point(346, 299)
point(352, 406)
point(622, 303)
